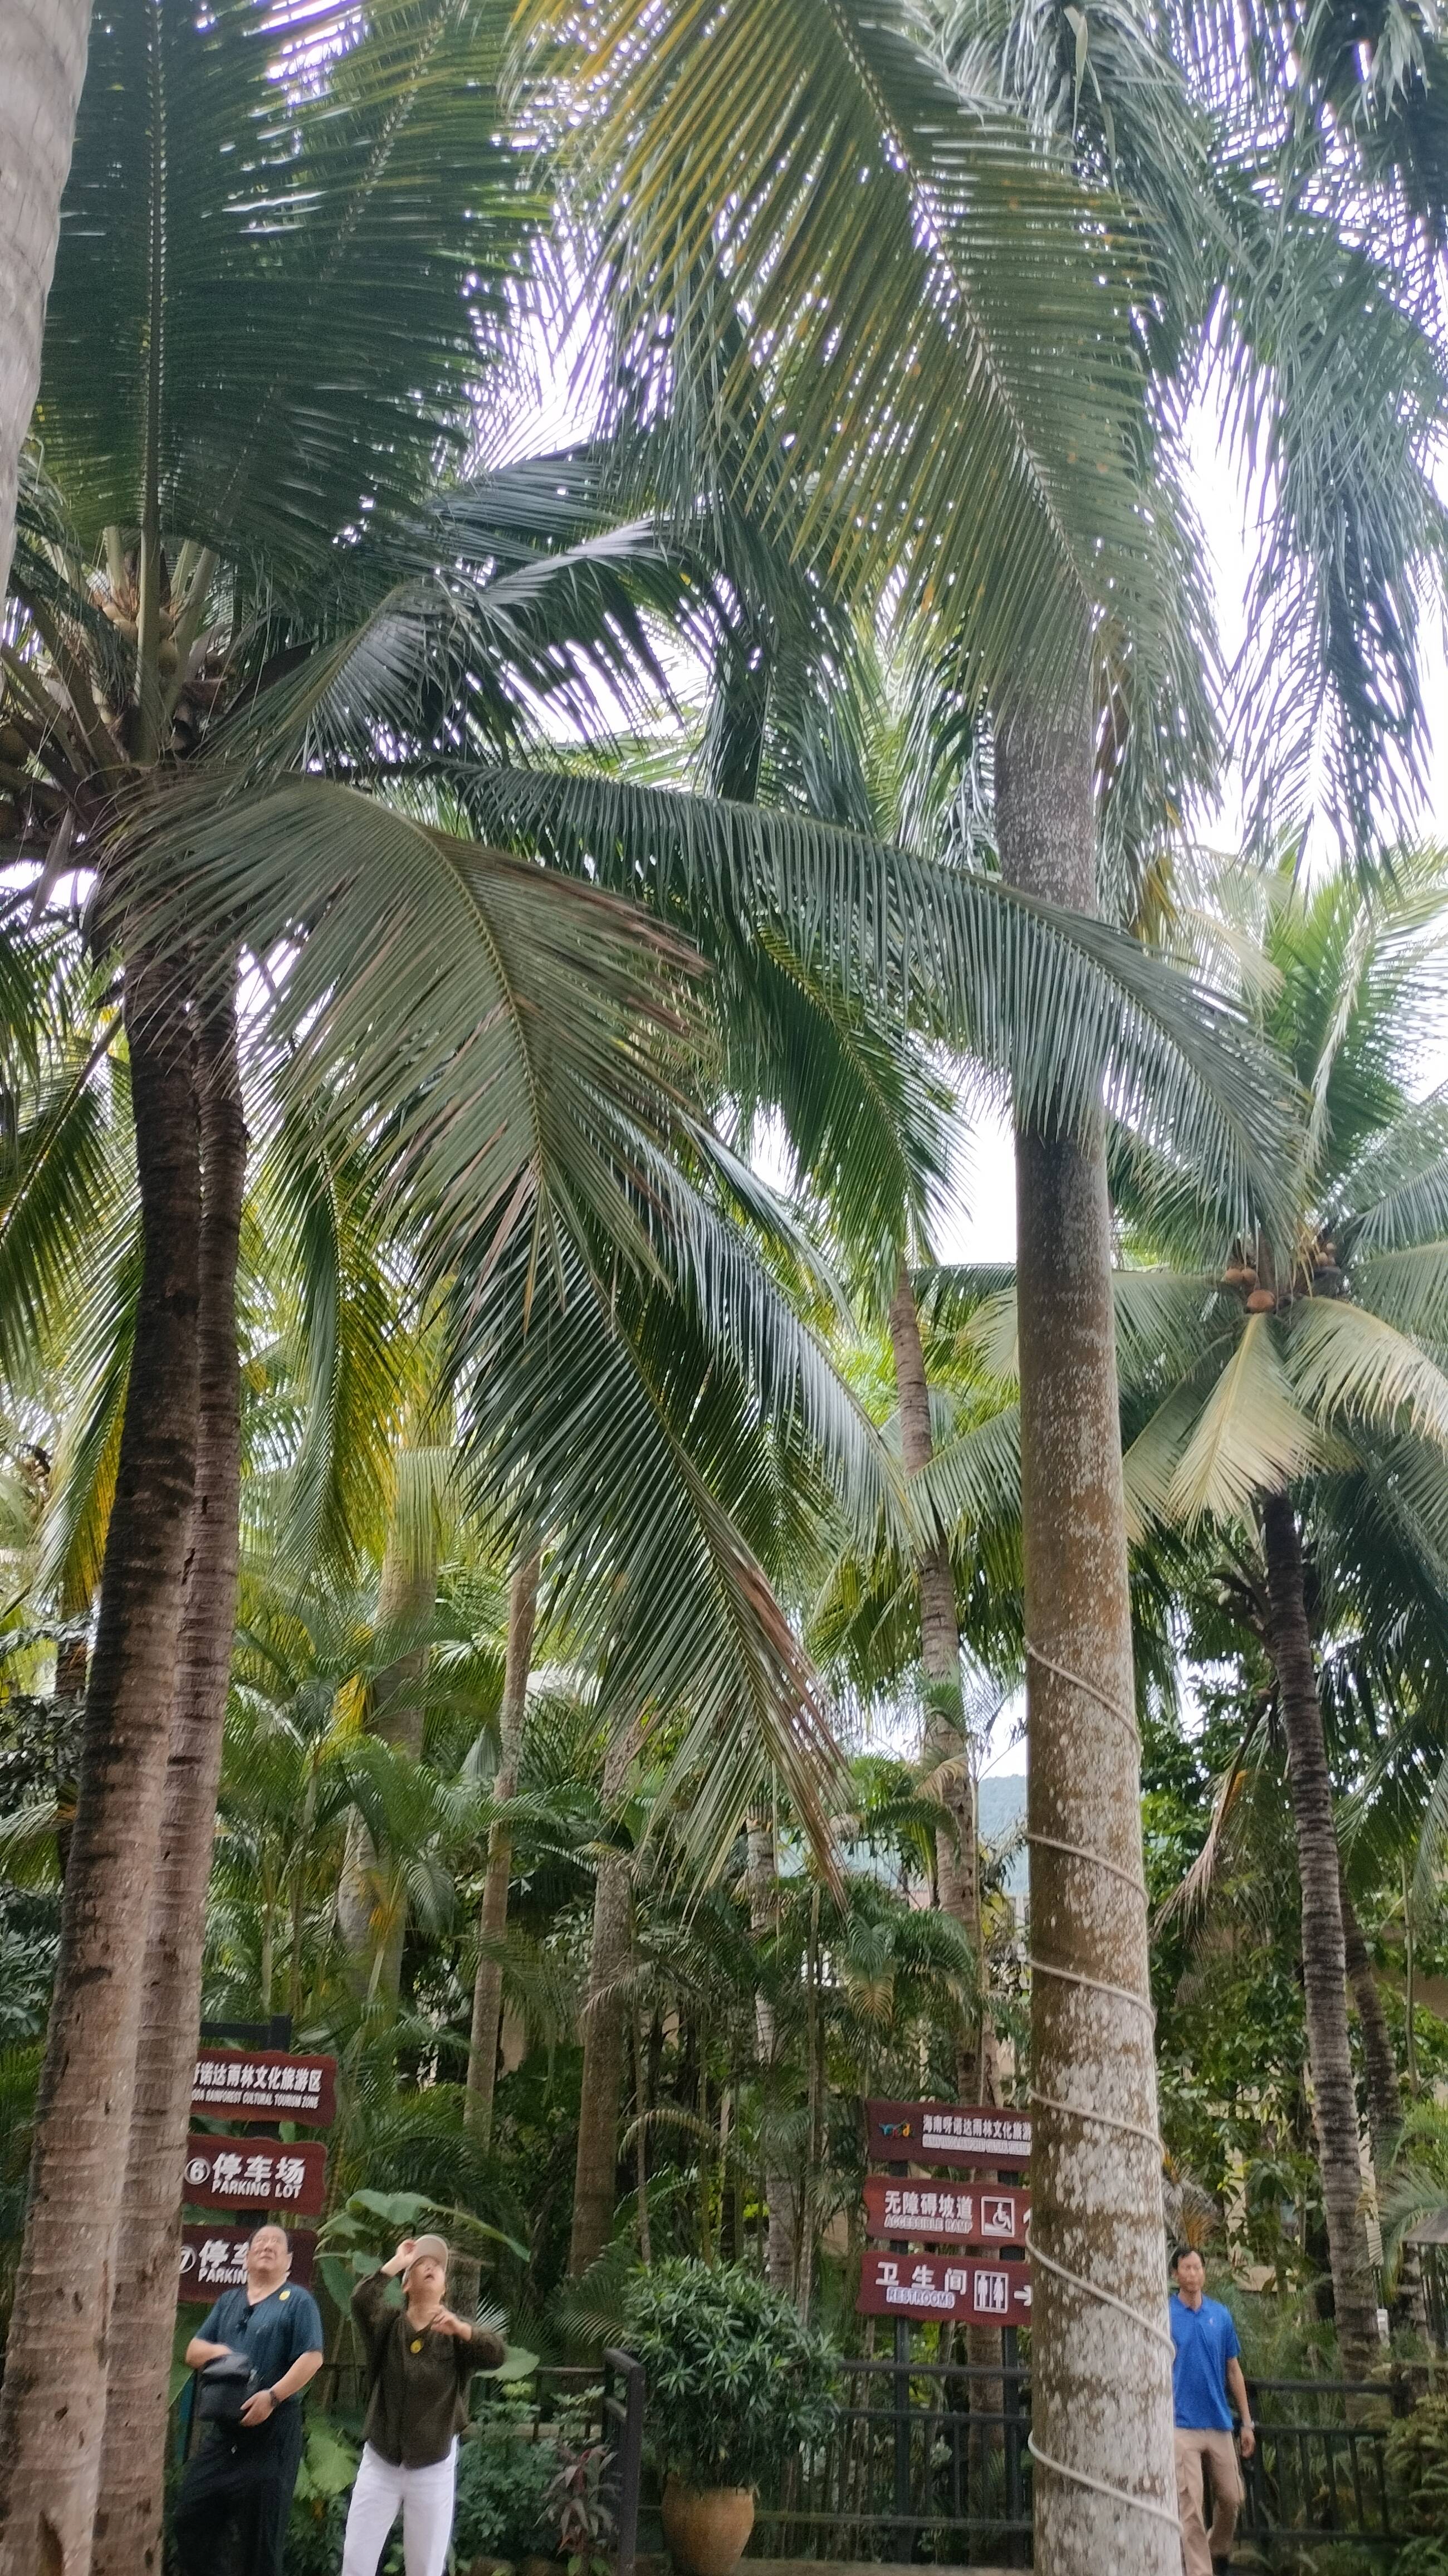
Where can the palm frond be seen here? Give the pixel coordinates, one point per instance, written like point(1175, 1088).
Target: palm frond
point(1054, 1001)
point(1345, 1361)
point(338, 223)
point(1251, 1436)
point(903, 255)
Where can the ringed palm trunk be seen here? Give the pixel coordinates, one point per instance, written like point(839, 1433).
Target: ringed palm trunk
point(493, 1922)
point(761, 1874)
point(595, 2172)
point(1380, 2064)
point(52, 2407)
point(946, 1748)
point(1100, 2364)
point(128, 2520)
point(1324, 1963)
point(406, 1596)
point(44, 49)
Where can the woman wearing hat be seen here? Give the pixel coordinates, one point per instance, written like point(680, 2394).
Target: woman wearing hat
point(420, 2358)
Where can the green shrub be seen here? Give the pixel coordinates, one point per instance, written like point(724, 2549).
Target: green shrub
point(503, 2481)
point(319, 2505)
point(1417, 2461)
point(736, 2383)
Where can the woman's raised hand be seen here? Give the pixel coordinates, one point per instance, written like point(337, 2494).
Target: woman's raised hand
point(402, 2257)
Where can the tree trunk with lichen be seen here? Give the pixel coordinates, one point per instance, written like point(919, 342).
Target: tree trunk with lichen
point(128, 2518)
point(493, 1919)
point(761, 1877)
point(595, 2172)
point(45, 44)
point(1100, 2354)
point(406, 1598)
point(1324, 1960)
point(1380, 2064)
point(947, 1746)
point(52, 2408)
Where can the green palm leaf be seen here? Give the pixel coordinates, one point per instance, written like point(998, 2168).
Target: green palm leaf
point(1407, 1288)
point(1250, 1437)
point(284, 245)
point(504, 1021)
point(903, 256)
point(625, 1431)
point(1052, 999)
point(1342, 1360)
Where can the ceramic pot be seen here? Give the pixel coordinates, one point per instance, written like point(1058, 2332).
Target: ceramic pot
point(706, 2527)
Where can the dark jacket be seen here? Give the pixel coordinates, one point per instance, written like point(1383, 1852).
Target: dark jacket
point(418, 2382)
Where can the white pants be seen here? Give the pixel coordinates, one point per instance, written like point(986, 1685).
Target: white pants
point(426, 2499)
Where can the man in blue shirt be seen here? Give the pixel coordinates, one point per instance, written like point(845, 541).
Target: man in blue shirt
point(1206, 2368)
point(239, 2483)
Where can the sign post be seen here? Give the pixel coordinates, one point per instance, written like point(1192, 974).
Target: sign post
point(947, 2133)
point(975, 2219)
point(945, 2289)
point(914, 2212)
point(265, 2084)
point(244, 2173)
point(259, 2173)
point(213, 2259)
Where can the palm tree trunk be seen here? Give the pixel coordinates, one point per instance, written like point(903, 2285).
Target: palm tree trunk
point(128, 2521)
point(641, 2119)
point(595, 2172)
point(1101, 2373)
point(947, 1749)
point(815, 2096)
point(406, 1598)
point(45, 51)
point(761, 1874)
point(488, 1983)
point(1324, 1963)
point(52, 2409)
point(1380, 2063)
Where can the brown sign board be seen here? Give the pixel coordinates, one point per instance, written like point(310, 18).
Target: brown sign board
point(947, 2133)
point(265, 2084)
point(255, 2174)
point(943, 2286)
point(213, 2259)
point(946, 2213)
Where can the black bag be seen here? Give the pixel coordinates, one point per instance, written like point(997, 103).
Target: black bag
point(225, 2387)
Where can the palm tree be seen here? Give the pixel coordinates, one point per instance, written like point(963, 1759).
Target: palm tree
point(493, 1917)
point(1281, 1366)
point(897, 254)
point(170, 479)
point(45, 51)
point(382, 663)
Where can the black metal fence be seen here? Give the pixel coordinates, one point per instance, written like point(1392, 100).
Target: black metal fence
point(928, 2461)
point(1319, 2471)
point(931, 2462)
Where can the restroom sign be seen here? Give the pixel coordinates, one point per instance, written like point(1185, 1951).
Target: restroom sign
point(937, 2287)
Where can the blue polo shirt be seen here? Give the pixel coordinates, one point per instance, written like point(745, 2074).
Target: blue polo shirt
point(1205, 2340)
point(272, 2334)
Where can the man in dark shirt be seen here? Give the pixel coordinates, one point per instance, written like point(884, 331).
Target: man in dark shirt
point(241, 2477)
